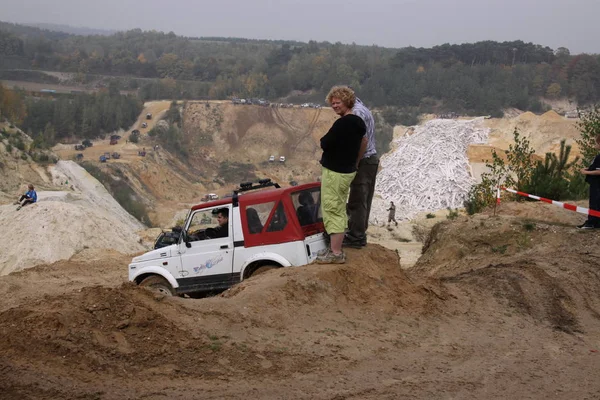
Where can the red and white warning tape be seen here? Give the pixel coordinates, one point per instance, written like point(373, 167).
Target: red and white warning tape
point(571, 207)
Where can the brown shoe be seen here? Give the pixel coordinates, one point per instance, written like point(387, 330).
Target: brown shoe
point(331, 258)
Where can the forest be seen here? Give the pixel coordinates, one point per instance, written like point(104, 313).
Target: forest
point(482, 78)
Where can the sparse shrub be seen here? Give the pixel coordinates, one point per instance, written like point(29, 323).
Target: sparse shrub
point(520, 166)
point(500, 249)
point(529, 226)
point(235, 172)
point(430, 216)
point(24, 156)
point(452, 214)
point(9, 148)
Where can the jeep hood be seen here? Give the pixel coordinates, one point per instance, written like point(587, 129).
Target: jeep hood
point(164, 252)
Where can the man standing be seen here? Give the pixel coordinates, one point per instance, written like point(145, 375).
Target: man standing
point(363, 185)
point(392, 214)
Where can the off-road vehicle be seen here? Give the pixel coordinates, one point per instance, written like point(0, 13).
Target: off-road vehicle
point(268, 227)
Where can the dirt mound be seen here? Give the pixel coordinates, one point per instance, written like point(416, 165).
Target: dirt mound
point(88, 267)
point(551, 116)
point(528, 289)
point(122, 334)
point(371, 277)
point(531, 267)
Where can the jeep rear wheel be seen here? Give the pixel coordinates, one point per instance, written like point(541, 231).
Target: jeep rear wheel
point(158, 284)
point(262, 269)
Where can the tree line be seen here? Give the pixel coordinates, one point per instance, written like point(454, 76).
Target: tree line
point(482, 77)
point(50, 120)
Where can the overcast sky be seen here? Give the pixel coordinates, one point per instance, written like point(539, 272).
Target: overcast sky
point(389, 23)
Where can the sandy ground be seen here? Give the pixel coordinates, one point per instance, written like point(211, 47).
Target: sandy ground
point(503, 306)
point(498, 307)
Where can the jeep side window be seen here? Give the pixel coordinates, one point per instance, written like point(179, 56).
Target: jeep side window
point(257, 216)
point(279, 220)
point(306, 203)
point(201, 221)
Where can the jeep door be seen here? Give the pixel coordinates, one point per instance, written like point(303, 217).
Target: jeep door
point(207, 263)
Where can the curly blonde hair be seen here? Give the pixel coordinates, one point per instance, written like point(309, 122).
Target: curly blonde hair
point(344, 93)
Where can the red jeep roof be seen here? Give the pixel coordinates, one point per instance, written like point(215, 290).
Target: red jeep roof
point(257, 196)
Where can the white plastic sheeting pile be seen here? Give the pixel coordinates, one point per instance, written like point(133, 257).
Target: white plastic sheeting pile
point(428, 170)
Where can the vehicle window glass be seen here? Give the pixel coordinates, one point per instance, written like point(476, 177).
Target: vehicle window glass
point(307, 205)
point(279, 220)
point(203, 222)
point(263, 211)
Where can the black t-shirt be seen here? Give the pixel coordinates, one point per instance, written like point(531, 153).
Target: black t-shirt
point(342, 143)
point(594, 179)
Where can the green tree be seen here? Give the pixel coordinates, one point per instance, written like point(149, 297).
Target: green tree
point(551, 178)
point(520, 159)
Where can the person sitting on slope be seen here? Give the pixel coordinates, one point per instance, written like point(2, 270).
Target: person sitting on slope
point(28, 198)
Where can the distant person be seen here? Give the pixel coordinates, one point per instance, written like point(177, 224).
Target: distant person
point(362, 187)
point(29, 197)
point(341, 154)
point(592, 176)
point(392, 213)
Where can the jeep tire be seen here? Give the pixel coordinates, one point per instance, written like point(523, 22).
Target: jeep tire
point(158, 284)
point(263, 268)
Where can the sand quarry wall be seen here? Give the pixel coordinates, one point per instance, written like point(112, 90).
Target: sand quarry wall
point(62, 223)
point(251, 133)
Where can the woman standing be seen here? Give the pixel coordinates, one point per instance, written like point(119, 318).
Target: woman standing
point(343, 146)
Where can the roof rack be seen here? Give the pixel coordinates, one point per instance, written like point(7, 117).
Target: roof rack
point(263, 183)
point(246, 186)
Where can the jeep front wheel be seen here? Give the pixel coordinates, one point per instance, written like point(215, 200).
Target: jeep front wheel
point(158, 284)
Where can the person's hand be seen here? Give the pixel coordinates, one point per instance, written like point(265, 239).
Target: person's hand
point(584, 171)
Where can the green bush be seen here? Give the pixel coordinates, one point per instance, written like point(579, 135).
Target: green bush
point(551, 178)
point(9, 148)
point(19, 144)
point(134, 137)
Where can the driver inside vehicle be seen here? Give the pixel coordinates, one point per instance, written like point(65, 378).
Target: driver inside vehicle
point(220, 231)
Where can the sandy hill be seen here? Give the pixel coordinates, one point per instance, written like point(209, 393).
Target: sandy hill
point(497, 307)
point(63, 222)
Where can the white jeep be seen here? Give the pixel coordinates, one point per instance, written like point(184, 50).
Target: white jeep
point(267, 227)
